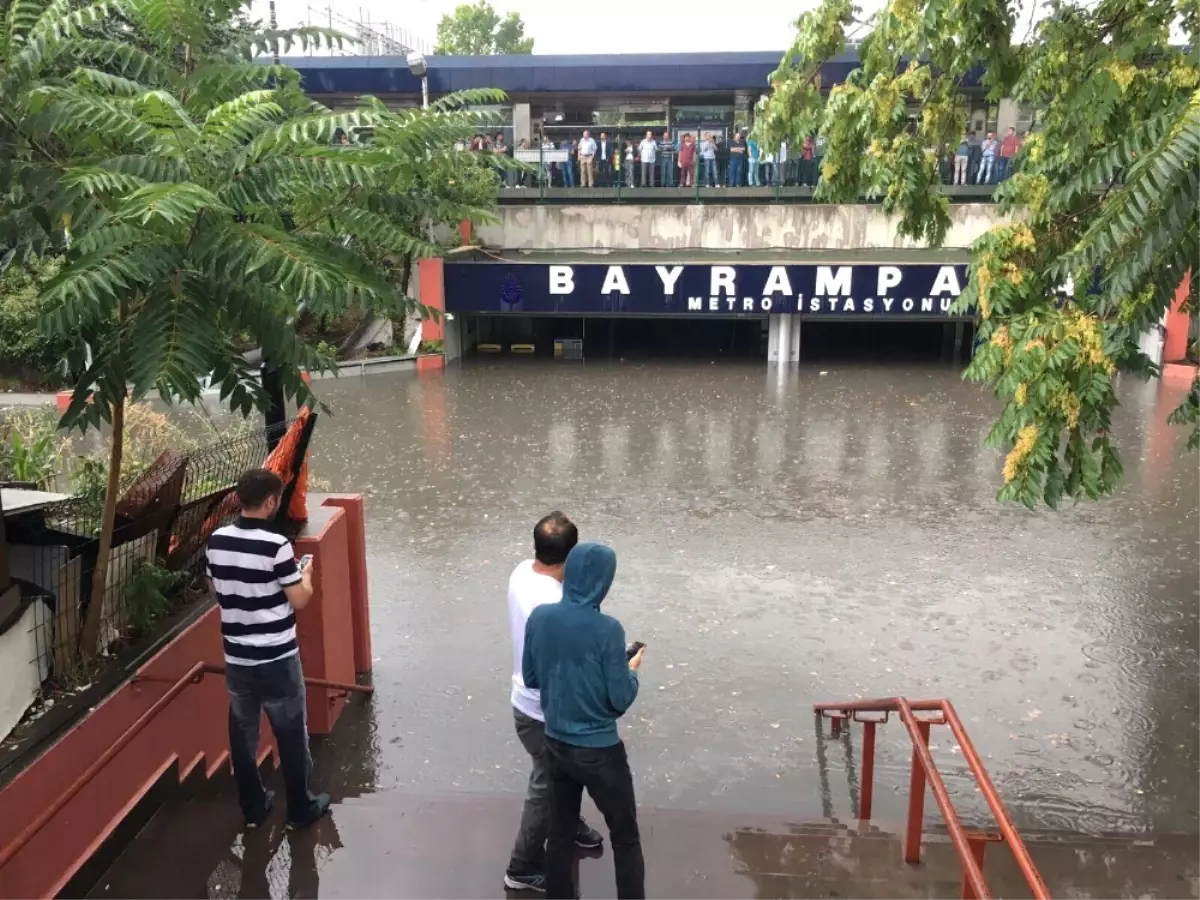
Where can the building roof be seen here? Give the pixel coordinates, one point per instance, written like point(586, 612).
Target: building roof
point(615, 73)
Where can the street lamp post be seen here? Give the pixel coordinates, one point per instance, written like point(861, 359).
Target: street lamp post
point(416, 65)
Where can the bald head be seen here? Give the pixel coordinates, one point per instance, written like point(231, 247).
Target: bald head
point(553, 538)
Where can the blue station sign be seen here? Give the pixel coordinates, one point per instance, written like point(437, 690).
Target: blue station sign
point(834, 291)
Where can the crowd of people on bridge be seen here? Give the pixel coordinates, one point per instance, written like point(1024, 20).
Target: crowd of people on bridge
point(707, 159)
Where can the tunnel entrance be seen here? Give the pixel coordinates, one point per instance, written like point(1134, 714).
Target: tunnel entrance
point(715, 337)
point(617, 337)
point(886, 341)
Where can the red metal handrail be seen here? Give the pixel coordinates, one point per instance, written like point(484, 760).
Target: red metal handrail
point(969, 846)
point(193, 676)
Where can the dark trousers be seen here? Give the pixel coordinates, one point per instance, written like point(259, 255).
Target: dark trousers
point(604, 771)
point(604, 172)
point(278, 689)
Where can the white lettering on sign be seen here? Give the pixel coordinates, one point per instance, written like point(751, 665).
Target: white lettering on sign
point(668, 277)
point(889, 277)
point(562, 279)
point(748, 304)
point(848, 306)
point(828, 283)
point(946, 303)
point(907, 304)
point(614, 280)
point(887, 303)
point(868, 305)
point(696, 303)
point(926, 304)
point(721, 280)
point(713, 303)
point(777, 282)
point(946, 282)
point(766, 304)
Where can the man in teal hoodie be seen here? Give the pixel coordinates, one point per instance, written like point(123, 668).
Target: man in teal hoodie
point(575, 656)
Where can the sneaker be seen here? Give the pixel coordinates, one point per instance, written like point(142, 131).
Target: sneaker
point(257, 821)
point(525, 882)
point(588, 838)
point(320, 806)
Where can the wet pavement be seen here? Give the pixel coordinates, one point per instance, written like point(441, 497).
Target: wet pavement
point(784, 537)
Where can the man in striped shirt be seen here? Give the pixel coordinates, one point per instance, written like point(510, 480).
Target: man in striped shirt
point(259, 586)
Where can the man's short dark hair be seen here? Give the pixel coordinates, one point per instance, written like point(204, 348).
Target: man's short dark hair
point(553, 537)
point(257, 486)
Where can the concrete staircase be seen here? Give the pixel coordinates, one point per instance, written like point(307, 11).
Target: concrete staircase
point(397, 844)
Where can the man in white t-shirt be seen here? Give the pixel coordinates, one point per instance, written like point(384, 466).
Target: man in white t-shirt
point(534, 582)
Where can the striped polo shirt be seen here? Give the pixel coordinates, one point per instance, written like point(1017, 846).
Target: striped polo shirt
point(250, 566)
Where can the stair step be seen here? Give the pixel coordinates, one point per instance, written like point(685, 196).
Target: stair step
point(400, 844)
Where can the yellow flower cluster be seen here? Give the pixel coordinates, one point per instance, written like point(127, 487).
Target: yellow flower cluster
point(1122, 73)
point(1069, 404)
point(1026, 441)
point(1085, 331)
point(1183, 77)
point(1021, 394)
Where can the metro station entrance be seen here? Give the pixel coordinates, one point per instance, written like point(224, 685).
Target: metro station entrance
point(620, 337)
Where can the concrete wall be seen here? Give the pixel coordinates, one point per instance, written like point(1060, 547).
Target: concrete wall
point(717, 227)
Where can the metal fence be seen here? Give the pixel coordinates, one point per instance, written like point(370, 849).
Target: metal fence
point(164, 517)
point(557, 174)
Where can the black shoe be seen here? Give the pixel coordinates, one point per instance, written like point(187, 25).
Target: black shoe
point(588, 838)
point(525, 882)
point(320, 806)
point(259, 819)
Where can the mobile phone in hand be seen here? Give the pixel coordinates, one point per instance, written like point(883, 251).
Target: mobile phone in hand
point(305, 561)
point(632, 650)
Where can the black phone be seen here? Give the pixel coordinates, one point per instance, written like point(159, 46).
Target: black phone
point(632, 650)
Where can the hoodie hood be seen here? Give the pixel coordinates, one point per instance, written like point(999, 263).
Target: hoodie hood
point(588, 574)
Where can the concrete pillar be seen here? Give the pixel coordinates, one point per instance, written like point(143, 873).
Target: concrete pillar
point(432, 295)
point(783, 338)
point(773, 328)
point(960, 331)
point(522, 125)
point(452, 342)
point(1177, 324)
point(1006, 116)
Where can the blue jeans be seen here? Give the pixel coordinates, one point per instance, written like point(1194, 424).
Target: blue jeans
point(737, 164)
point(1003, 167)
point(985, 170)
point(710, 172)
point(752, 172)
point(666, 170)
point(568, 173)
point(278, 688)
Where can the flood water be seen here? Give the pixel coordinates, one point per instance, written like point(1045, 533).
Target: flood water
point(784, 537)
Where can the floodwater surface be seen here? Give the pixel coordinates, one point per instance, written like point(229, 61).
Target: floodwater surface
point(785, 536)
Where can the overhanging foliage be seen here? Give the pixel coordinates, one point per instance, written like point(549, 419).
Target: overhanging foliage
point(1104, 199)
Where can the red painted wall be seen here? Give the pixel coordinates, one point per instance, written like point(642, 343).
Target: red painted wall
point(433, 295)
point(1175, 346)
point(193, 727)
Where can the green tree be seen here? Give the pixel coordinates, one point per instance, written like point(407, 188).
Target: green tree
point(477, 30)
point(196, 198)
point(25, 348)
point(1104, 200)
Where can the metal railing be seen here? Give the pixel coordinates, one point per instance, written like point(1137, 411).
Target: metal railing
point(194, 675)
point(554, 173)
point(970, 846)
